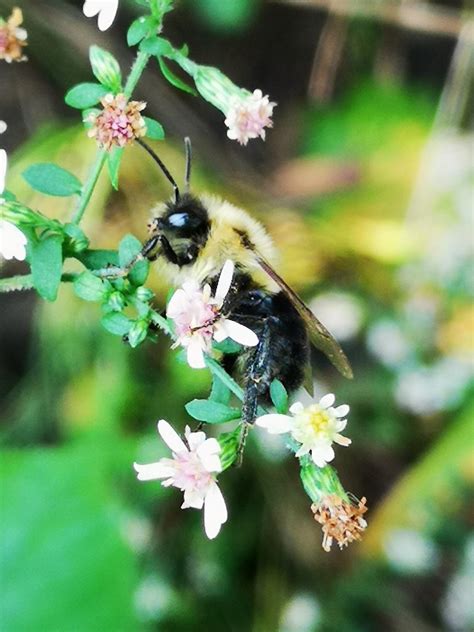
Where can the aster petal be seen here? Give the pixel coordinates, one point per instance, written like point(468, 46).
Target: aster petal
point(194, 439)
point(220, 331)
point(3, 169)
point(3, 127)
point(275, 423)
point(92, 7)
point(195, 354)
point(241, 334)
point(225, 281)
point(341, 411)
point(296, 408)
point(177, 304)
point(12, 241)
point(215, 511)
point(107, 14)
point(208, 453)
point(153, 471)
point(327, 401)
point(322, 454)
point(193, 498)
point(171, 437)
point(345, 441)
point(302, 450)
point(340, 424)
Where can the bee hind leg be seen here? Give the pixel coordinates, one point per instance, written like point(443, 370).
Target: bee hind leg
point(257, 380)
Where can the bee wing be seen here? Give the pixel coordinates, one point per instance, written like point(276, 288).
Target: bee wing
point(318, 334)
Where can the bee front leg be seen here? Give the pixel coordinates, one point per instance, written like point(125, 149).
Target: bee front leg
point(116, 272)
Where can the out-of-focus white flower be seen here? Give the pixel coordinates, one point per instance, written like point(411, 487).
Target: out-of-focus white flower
point(302, 613)
point(248, 116)
point(105, 9)
point(152, 598)
point(193, 470)
point(341, 312)
point(315, 427)
point(456, 607)
point(409, 551)
point(428, 389)
point(387, 343)
point(12, 241)
point(197, 319)
point(3, 127)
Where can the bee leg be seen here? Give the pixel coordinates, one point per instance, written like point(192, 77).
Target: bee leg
point(116, 272)
point(257, 379)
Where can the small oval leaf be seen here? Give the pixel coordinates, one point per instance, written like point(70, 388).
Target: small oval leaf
point(279, 396)
point(50, 179)
point(116, 323)
point(89, 287)
point(154, 130)
point(211, 412)
point(46, 266)
point(85, 95)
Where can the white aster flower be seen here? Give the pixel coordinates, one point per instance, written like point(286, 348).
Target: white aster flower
point(193, 470)
point(248, 116)
point(3, 127)
point(12, 241)
point(105, 9)
point(197, 318)
point(315, 427)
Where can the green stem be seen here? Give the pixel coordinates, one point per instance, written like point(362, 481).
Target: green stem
point(138, 67)
point(89, 186)
point(25, 282)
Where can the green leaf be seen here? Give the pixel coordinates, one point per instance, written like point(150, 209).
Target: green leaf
point(89, 287)
point(113, 164)
point(46, 259)
point(50, 179)
point(154, 130)
point(220, 392)
point(85, 95)
point(138, 332)
point(97, 259)
point(139, 29)
point(279, 396)
point(105, 68)
point(129, 247)
point(155, 45)
point(211, 412)
point(61, 535)
point(116, 323)
point(174, 80)
point(227, 346)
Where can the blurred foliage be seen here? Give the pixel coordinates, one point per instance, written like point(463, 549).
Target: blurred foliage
point(86, 547)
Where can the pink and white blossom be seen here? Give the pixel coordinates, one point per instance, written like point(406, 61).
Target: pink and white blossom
point(247, 117)
point(198, 320)
point(193, 468)
point(315, 427)
point(106, 10)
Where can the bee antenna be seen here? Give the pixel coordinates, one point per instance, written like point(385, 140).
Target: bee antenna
point(160, 163)
point(189, 157)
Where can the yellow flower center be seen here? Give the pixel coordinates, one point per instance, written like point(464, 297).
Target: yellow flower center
point(318, 420)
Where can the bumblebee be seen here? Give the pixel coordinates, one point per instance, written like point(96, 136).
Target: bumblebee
point(193, 236)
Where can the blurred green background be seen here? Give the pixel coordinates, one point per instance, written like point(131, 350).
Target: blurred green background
point(365, 183)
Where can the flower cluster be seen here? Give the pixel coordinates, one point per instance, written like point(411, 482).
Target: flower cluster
point(198, 319)
point(12, 37)
point(193, 468)
point(119, 123)
point(340, 520)
point(247, 117)
point(315, 428)
point(106, 10)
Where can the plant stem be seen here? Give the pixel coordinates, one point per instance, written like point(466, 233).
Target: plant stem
point(89, 186)
point(138, 67)
point(25, 282)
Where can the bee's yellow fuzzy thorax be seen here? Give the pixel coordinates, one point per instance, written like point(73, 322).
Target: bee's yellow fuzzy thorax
point(225, 243)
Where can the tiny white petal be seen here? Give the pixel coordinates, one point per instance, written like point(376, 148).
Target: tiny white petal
point(195, 354)
point(296, 408)
point(241, 334)
point(3, 127)
point(152, 471)
point(107, 15)
point(12, 241)
point(220, 331)
point(345, 441)
point(176, 304)
point(208, 453)
point(215, 511)
point(192, 499)
point(171, 437)
point(275, 423)
point(327, 401)
point(225, 281)
point(194, 439)
point(342, 411)
point(341, 424)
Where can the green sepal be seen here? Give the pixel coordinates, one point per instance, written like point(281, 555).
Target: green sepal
point(211, 412)
point(138, 332)
point(85, 95)
point(51, 179)
point(46, 260)
point(116, 323)
point(76, 240)
point(139, 29)
point(89, 287)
